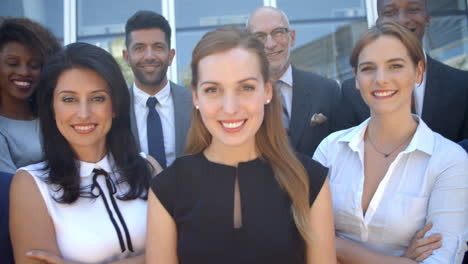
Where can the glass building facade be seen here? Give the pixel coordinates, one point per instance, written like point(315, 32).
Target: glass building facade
point(325, 30)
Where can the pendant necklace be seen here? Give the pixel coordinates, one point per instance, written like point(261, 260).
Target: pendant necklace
point(386, 155)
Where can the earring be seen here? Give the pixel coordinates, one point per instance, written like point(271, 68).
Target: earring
point(268, 101)
point(197, 107)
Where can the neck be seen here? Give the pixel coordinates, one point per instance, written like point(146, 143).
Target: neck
point(280, 73)
point(230, 155)
point(388, 130)
point(15, 109)
point(91, 155)
point(151, 89)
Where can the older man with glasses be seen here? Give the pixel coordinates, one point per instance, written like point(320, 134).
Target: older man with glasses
point(308, 99)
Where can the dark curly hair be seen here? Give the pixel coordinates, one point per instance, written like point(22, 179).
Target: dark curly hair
point(32, 35)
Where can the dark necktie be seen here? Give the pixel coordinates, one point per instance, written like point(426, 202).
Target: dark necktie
point(279, 83)
point(154, 133)
point(112, 190)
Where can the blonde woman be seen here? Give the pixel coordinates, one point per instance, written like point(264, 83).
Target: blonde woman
point(241, 195)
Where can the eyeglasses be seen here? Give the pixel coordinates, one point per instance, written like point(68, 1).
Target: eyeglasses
point(277, 34)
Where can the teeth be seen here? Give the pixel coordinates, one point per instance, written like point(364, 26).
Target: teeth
point(383, 94)
point(233, 125)
point(84, 128)
point(21, 83)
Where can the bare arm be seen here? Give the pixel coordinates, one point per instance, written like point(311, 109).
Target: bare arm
point(322, 247)
point(161, 237)
point(31, 227)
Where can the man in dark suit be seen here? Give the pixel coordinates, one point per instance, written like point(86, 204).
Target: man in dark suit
point(441, 100)
point(160, 109)
point(309, 100)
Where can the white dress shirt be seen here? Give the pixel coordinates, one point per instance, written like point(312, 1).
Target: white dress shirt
point(286, 89)
point(83, 230)
point(427, 182)
point(165, 108)
point(418, 91)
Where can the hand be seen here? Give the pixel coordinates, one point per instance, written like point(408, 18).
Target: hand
point(421, 247)
point(46, 257)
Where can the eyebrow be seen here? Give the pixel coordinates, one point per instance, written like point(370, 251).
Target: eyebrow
point(240, 81)
point(73, 92)
point(388, 61)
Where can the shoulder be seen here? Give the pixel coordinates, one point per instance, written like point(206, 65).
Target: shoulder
point(312, 167)
point(180, 168)
point(449, 73)
point(447, 151)
point(178, 90)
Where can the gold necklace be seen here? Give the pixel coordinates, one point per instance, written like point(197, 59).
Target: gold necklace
point(386, 155)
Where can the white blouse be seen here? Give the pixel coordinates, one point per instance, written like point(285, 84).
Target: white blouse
point(83, 229)
point(427, 182)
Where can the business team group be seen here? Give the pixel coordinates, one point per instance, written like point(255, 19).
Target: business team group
point(256, 162)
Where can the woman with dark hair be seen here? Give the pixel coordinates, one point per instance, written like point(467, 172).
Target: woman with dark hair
point(24, 47)
point(241, 195)
point(399, 190)
point(88, 198)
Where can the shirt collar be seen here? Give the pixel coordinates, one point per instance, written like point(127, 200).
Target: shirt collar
point(86, 168)
point(287, 76)
point(140, 96)
point(423, 139)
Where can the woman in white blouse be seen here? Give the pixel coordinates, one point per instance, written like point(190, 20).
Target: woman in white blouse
point(392, 176)
point(86, 202)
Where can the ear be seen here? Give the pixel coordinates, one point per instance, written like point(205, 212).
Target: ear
point(268, 91)
point(171, 56)
point(419, 72)
point(293, 37)
point(194, 96)
point(125, 55)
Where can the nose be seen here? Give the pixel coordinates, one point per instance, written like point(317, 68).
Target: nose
point(403, 18)
point(231, 103)
point(149, 53)
point(24, 70)
point(83, 110)
point(380, 77)
point(270, 43)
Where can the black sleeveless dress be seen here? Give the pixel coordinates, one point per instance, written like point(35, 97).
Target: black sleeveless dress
point(199, 195)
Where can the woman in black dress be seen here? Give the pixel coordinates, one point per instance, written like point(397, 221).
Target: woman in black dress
point(241, 195)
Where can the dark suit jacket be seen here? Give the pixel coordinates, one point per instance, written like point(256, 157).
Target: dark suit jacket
point(445, 103)
point(182, 98)
point(312, 94)
point(6, 253)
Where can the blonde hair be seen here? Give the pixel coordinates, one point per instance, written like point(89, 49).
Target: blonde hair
point(271, 139)
point(390, 28)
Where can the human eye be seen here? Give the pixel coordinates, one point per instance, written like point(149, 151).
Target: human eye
point(388, 12)
point(35, 65)
point(138, 47)
point(248, 87)
point(396, 66)
point(68, 99)
point(279, 32)
point(366, 68)
point(260, 36)
point(98, 98)
point(414, 10)
point(210, 90)
point(12, 63)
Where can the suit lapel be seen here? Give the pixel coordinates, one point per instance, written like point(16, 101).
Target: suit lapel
point(182, 116)
point(299, 113)
point(133, 124)
point(433, 93)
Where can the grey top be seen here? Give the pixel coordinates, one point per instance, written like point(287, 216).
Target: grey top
point(20, 143)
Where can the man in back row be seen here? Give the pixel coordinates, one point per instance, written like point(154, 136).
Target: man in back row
point(160, 109)
point(309, 100)
point(441, 100)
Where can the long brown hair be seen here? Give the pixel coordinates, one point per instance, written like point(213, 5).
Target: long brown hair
point(271, 139)
point(390, 28)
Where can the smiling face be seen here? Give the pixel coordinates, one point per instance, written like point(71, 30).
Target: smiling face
point(231, 94)
point(265, 21)
point(19, 72)
point(409, 13)
point(149, 57)
point(82, 105)
point(386, 79)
